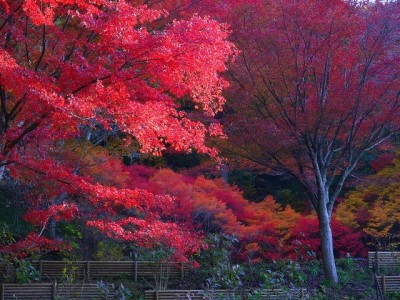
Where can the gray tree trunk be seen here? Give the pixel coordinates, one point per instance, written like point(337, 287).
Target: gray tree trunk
point(2, 170)
point(52, 228)
point(326, 240)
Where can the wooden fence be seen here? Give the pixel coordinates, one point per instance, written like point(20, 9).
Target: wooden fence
point(384, 260)
point(388, 283)
point(270, 294)
point(92, 270)
point(52, 291)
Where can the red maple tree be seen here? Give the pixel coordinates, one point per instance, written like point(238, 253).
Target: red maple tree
point(315, 87)
point(70, 69)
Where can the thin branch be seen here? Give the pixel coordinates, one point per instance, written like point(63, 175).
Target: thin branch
point(43, 49)
point(10, 16)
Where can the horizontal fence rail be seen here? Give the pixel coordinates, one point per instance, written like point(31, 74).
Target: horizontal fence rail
point(53, 291)
point(270, 294)
point(384, 259)
point(92, 270)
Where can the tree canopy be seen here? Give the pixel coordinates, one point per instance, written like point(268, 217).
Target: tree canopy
point(73, 69)
point(315, 87)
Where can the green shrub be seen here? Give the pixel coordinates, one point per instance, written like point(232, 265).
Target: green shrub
point(108, 251)
point(25, 272)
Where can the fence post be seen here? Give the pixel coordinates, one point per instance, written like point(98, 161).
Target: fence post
point(376, 262)
point(40, 267)
point(384, 285)
point(136, 267)
point(182, 271)
point(54, 291)
point(379, 294)
point(2, 291)
point(88, 269)
point(302, 293)
point(156, 295)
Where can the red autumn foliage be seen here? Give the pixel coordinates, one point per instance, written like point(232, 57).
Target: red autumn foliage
point(382, 161)
point(304, 242)
point(313, 90)
point(64, 211)
point(363, 216)
point(32, 244)
point(70, 69)
point(265, 230)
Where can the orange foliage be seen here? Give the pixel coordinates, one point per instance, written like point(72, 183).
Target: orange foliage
point(265, 230)
point(373, 207)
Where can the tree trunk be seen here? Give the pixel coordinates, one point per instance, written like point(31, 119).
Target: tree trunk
point(3, 162)
point(2, 170)
point(52, 228)
point(225, 173)
point(328, 258)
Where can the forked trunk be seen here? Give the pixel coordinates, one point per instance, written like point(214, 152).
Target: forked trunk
point(328, 258)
